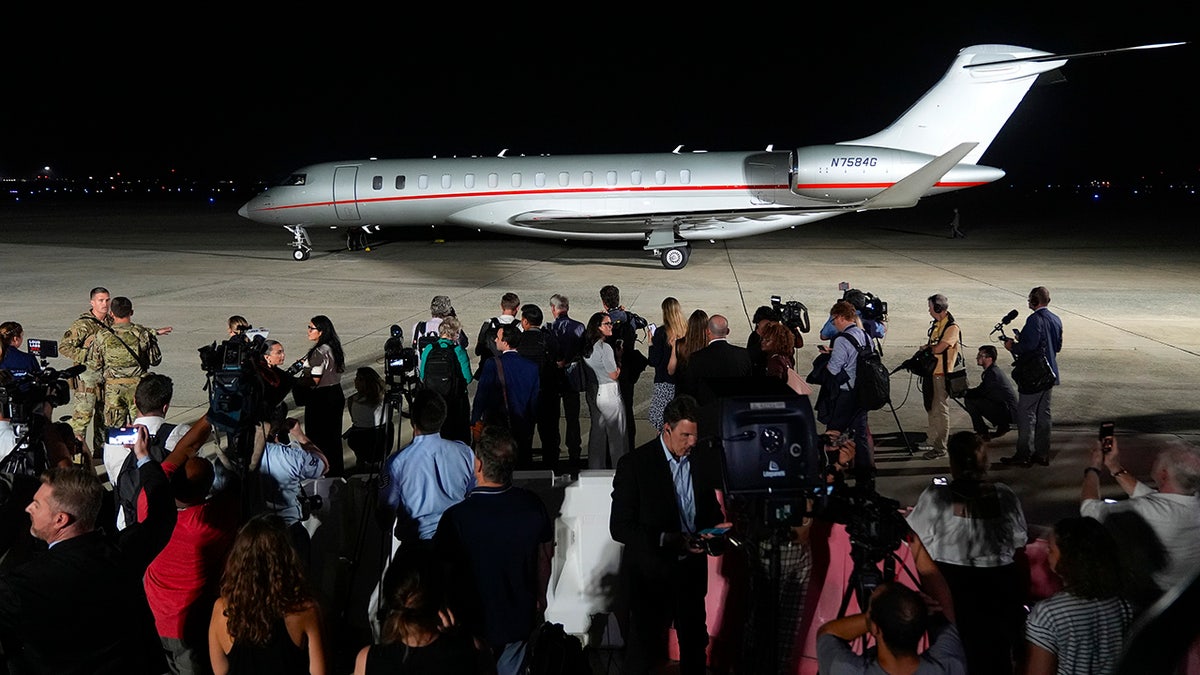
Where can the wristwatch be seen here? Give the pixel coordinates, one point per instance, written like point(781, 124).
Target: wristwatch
point(1086, 469)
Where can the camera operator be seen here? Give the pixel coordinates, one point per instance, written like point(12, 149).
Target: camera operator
point(1042, 334)
point(944, 342)
point(630, 362)
point(12, 358)
point(837, 406)
point(870, 324)
point(897, 618)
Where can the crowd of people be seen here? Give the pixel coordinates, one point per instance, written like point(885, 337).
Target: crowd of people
point(192, 562)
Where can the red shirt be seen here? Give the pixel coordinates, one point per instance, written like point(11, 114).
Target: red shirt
point(191, 563)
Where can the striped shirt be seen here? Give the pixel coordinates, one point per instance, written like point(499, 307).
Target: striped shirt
point(1086, 635)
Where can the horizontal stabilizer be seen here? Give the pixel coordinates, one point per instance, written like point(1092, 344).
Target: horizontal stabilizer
point(909, 190)
point(1078, 55)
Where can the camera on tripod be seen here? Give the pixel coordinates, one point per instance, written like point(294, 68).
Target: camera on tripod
point(400, 361)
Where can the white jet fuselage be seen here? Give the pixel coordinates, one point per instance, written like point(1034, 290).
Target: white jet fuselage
point(705, 195)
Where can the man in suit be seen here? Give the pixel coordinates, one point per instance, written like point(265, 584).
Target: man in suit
point(80, 607)
point(1042, 334)
point(719, 359)
point(509, 400)
point(659, 509)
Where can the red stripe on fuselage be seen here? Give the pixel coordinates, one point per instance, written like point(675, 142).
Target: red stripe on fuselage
point(605, 190)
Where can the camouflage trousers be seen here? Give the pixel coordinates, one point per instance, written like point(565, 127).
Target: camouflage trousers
point(87, 401)
point(119, 406)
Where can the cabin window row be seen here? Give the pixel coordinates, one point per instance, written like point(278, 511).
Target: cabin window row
point(540, 179)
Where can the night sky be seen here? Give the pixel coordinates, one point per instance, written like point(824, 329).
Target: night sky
point(280, 91)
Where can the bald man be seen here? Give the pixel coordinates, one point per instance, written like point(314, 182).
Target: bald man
point(719, 359)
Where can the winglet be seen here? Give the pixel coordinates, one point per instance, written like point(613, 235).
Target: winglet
point(909, 190)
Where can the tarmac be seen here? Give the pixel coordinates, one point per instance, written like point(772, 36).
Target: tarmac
point(1125, 279)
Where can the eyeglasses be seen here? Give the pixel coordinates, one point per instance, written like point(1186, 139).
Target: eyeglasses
point(312, 327)
point(606, 323)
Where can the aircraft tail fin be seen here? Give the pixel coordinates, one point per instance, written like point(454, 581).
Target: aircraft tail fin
point(974, 99)
point(970, 103)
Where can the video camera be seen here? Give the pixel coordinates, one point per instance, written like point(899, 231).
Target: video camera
point(236, 386)
point(869, 306)
point(874, 522)
point(21, 395)
point(792, 313)
point(399, 360)
point(21, 392)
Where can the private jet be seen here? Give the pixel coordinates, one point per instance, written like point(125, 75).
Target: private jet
point(668, 200)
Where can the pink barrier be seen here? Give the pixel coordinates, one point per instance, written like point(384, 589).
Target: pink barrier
point(727, 593)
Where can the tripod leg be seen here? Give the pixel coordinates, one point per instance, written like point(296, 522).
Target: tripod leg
point(904, 435)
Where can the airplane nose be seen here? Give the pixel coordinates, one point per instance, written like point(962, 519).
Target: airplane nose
point(245, 210)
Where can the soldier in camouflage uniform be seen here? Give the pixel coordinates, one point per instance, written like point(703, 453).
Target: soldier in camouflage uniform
point(122, 355)
point(89, 386)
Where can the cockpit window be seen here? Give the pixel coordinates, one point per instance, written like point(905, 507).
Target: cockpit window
point(295, 179)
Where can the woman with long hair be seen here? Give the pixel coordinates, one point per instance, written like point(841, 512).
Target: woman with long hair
point(1082, 628)
point(415, 637)
point(779, 349)
point(695, 338)
point(12, 359)
point(973, 528)
point(324, 400)
point(607, 440)
point(367, 433)
point(266, 621)
point(662, 343)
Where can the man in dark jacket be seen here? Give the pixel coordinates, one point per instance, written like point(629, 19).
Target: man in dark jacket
point(994, 400)
point(79, 607)
point(660, 507)
point(719, 359)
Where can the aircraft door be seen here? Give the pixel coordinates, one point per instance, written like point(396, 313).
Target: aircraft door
point(766, 174)
point(345, 197)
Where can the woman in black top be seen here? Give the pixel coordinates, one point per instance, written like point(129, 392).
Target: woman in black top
point(324, 401)
point(417, 632)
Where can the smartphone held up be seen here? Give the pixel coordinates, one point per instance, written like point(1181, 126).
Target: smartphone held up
point(1106, 436)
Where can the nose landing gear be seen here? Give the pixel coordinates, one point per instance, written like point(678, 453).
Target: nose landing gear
point(300, 242)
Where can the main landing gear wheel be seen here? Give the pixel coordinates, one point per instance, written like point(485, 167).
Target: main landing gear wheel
point(676, 258)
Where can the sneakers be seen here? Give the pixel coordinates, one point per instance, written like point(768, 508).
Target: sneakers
point(932, 453)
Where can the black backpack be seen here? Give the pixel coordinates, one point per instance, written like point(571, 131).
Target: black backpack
point(424, 337)
point(872, 383)
point(551, 651)
point(129, 483)
point(443, 373)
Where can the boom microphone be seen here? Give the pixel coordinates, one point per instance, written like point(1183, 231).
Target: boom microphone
point(1005, 321)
